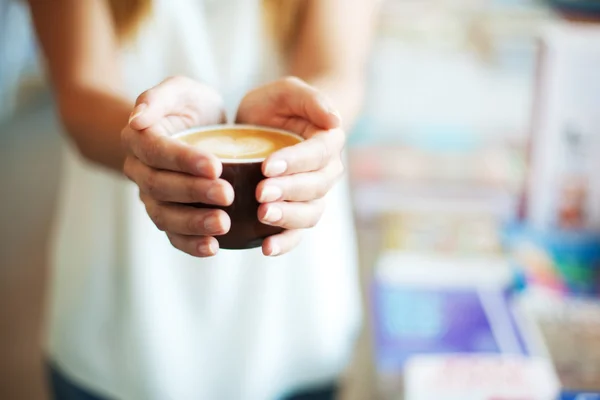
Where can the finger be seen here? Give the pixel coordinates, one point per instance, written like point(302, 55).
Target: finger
point(310, 155)
point(282, 243)
point(291, 215)
point(186, 220)
point(299, 187)
point(176, 96)
point(170, 154)
point(296, 98)
point(176, 187)
point(197, 246)
point(291, 100)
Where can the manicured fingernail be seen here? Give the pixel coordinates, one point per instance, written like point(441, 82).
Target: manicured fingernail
point(209, 248)
point(275, 250)
point(273, 214)
point(275, 167)
point(202, 166)
point(212, 224)
point(270, 194)
point(137, 111)
point(214, 193)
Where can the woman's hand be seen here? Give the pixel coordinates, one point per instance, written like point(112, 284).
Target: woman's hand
point(298, 177)
point(170, 173)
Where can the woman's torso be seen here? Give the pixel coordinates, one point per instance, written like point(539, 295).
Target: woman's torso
point(132, 317)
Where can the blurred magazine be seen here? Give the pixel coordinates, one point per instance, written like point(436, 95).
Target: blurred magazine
point(435, 304)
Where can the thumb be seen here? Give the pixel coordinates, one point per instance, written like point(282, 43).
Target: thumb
point(172, 97)
point(296, 98)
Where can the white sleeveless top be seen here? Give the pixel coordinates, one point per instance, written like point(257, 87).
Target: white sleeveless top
point(132, 318)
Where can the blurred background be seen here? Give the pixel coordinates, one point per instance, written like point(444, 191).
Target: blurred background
point(476, 192)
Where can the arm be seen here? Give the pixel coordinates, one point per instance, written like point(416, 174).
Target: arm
point(78, 40)
point(332, 50)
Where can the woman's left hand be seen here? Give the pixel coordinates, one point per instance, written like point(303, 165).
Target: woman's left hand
point(298, 177)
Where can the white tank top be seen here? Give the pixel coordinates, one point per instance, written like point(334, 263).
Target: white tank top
point(132, 318)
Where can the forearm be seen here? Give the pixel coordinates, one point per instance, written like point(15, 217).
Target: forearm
point(81, 51)
point(94, 119)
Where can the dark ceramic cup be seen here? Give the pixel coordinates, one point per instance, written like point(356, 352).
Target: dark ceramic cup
point(244, 175)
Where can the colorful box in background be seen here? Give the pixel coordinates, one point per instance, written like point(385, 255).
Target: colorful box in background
point(424, 304)
point(564, 262)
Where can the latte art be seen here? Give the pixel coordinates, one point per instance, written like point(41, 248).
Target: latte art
point(231, 147)
point(240, 143)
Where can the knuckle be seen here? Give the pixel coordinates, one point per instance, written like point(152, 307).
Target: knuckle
point(157, 217)
point(191, 189)
point(177, 80)
point(192, 224)
point(292, 81)
point(146, 97)
point(180, 158)
point(323, 153)
point(286, 88)
point(150, 150)
point(126, 137)
point(321, 189)
point(128, 168)
point(148, 183)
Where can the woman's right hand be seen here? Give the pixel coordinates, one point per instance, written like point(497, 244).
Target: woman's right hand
point(170, 174)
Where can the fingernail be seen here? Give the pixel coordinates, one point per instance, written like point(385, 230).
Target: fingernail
point(273, 214)
point(202, 166)
point(209, 248)
point(214, 193)
point(275, 250)
point(212, 224)
point(275, 167)
point(270, 193)
point(137, 111)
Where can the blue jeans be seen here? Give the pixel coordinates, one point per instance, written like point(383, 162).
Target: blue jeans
point(62, 388)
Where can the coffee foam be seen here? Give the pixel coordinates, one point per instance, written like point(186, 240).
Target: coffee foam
point(240, 144)
point(230, 147)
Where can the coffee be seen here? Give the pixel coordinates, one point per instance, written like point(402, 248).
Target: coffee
point(241, 149)
point(241, 143)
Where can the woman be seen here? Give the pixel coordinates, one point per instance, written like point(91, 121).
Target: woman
point(136, 317)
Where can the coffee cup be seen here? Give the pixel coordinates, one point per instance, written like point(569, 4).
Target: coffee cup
point(242, 150)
